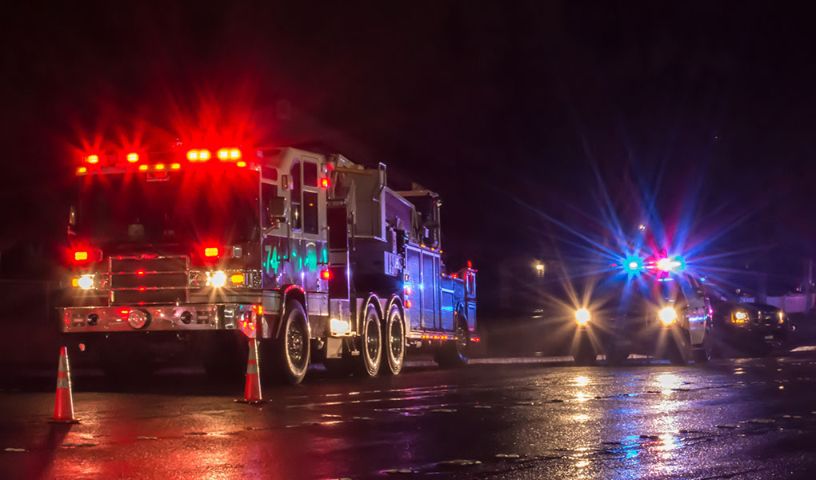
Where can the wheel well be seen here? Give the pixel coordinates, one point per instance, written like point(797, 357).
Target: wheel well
point(295, 293)
point(374, 300)
point(461, 317)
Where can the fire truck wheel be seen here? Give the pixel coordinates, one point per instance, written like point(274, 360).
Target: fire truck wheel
point(370, 343)
point(585, 354)
point(454, 353)
point(394, 335)
point(616, 354)
point(292, 347)
point(680, 348)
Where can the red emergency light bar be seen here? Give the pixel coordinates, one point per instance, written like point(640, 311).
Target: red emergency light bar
point(132, 161)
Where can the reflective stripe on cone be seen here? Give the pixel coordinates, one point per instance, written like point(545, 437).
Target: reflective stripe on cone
point(64, 400)
point(252, 385)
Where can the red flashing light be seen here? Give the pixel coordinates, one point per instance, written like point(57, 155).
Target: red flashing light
point(469, 264)
point(124, 312)
point(132, 157)
point(158, 167)
point(92, 159)
point(81, 256)
point(326, 274)
point(140, 273)
point(211, 252)
point(229, 154)
point(241, 164)
point(324, 182)
point(175, 166)
point(143, 168)
point(407, 304)
point(198, 155)
point(142, 289)
point(82, 170)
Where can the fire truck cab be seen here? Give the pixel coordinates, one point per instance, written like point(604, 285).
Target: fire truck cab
point(313, 256)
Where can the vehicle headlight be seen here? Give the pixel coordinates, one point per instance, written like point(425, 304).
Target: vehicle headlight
point(739, 317)
point(667, 315)
point(85, 282)
point(582, 316)
point(216, 279)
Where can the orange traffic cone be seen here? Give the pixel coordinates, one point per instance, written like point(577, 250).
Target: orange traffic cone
point(64, 401)
point(252, 385)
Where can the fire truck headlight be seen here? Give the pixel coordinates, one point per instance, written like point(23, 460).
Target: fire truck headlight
point(339, 327)
point(582, 316)
point(85, 282)
point(739, 317)
point(667, 315)
point(216, 279)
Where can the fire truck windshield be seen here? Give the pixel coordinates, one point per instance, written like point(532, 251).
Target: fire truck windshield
point(182, 207)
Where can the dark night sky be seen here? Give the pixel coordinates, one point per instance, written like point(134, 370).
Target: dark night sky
point(493, 104)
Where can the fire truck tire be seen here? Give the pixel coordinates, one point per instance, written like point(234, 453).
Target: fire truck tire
point(680, 348)
point(394, 335)
point(616, 354)
point(371, 351)
point(454, 353)
point(292, 349)
point(585, 354)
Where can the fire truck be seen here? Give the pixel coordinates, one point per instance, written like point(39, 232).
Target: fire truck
point(313, 256)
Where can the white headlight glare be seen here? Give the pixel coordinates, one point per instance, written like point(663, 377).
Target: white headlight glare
point(667, 315)
point(217, 279)
point(582, 316)
point(85, 282)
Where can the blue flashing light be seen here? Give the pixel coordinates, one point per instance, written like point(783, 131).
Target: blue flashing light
point(633, 264)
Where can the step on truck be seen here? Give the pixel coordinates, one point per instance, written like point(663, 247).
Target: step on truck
point(197, 250)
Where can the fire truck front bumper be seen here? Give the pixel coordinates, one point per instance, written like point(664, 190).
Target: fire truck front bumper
point(246, 318)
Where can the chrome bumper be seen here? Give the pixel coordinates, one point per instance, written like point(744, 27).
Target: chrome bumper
point(173, 318)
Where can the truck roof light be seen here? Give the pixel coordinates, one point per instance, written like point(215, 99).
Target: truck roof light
point(82, 170)
point(143, 168)
point(211, 252)
point(229, 154)
point(198, 155)
point(175, 166)
point(132, 157)
point(159, 166)
point(93, 159)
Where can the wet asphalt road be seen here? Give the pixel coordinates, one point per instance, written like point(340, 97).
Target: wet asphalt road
point(753, 418)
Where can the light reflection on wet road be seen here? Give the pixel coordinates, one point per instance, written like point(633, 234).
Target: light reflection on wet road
point(732, 419)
